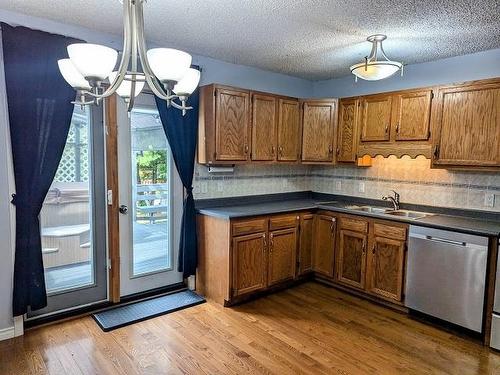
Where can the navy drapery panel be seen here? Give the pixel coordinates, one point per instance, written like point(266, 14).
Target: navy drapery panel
point(40, 110)
point(182, 136)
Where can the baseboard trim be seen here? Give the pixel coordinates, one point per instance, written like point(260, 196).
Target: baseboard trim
point(7, 333)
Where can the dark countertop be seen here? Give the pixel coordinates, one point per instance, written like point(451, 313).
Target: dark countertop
point(466, 221)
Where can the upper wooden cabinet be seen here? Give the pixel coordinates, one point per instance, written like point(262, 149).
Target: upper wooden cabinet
point(466, 123)
point(224, 135)
point(289, 130)
point(412, 116)
point(318, 131)
point(263, 127)
point(347, 137)
point(375, 118)
point(395, 123)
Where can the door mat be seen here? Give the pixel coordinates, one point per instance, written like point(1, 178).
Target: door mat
point(122, 316)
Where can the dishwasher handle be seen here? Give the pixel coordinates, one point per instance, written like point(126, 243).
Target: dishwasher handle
point(444, 240)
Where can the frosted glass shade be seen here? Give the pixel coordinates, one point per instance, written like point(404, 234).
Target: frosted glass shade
point(72, 75)
point(168, 64)
point(126, 86)
point(376, 70)
point(188, 83)
point(93, 61)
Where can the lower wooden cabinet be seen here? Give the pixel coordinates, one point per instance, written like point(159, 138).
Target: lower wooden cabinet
point(351, 259)
point(249, 263)
point(385, 262)
point(238, 258)
point(282, 255)
point(304, 257)
point(325, 229)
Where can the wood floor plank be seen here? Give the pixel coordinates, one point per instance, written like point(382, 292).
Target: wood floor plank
point(308, 329)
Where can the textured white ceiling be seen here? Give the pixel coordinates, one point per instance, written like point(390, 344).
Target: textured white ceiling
point(311, 39)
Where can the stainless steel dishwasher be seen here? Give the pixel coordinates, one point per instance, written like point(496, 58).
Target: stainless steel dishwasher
point(446, 275)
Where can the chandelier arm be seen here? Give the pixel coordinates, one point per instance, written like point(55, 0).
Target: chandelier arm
point(373, 53)
point(125, 59)
point(141, 42)
point(133, 37)
point(382, 52)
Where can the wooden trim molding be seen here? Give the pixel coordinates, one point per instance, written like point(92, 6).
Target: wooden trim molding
point(112, 184)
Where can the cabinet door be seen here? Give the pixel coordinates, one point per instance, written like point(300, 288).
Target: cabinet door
point(282, 255)
point(467, 121)
point(305, 244)
point(249, 261)
point(351, 259)
point(232, 119)
point(413, 116)
point(289, 133)
point(347, 138)
point(318, 131)
point(385, 268)
point(375, 118)
point(324, 244)
point(263, 127)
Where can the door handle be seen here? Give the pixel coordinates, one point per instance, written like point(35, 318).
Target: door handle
point(123, 209)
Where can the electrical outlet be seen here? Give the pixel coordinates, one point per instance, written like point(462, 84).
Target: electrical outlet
point(338, 185)
point(489, 200)
point(204, 187)
point(361, 187)
point(220, 186)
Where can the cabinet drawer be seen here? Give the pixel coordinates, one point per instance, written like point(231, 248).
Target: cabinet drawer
point(389, 231)
point(249, 226)
point(282, 222)
point(354, 224)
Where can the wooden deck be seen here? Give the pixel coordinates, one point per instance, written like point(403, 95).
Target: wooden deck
point(309, 329)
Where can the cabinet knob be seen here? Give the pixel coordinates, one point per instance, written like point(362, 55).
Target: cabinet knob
point(374, 249)
point(246, 149)
point(397, 128)
point(386, 128)
point(273, 149)
point(436, 151)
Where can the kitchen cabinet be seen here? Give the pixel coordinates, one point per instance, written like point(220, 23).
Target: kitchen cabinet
point(306, 229)
point(396, 123)
point(412, 115)
point(385, 261)
point(282, 255)
point(264, 121)
point(318, 131)
point(249, 263)
point(466, 124)
point(325, 230)
point(289, 130)
point(375, 118)
point(224, 129)
point(351, 252)
point(347, 137)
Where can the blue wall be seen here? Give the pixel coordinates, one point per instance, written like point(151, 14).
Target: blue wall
point(454, 69)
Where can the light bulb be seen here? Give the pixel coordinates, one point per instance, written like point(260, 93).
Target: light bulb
point(72, 75)
point(188, 83)
point(126, 86)
point(93, 61)
point(168, 64)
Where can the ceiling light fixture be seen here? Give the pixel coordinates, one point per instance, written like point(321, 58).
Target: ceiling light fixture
point(166, 71)
point(373, 69)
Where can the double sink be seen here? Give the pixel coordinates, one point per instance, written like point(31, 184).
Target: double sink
point(412, 215)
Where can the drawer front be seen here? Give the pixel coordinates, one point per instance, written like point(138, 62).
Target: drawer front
point(249, 226)
point(283, 222)
point(389, 231)
point(354, 224)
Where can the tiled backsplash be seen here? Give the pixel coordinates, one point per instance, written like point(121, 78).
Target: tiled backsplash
point(251, 180)
point(412, 178)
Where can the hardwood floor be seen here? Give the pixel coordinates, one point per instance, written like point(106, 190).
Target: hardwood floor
point(310, 329)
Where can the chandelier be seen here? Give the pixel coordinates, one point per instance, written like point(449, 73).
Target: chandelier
point(89, 68)
point(372, 69)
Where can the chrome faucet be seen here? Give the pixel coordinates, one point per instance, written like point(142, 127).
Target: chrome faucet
point(394, 200)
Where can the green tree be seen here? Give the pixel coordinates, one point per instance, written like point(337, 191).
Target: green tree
point(152, 166)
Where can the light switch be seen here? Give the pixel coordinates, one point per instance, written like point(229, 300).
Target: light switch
point(361, 187)
point(489, 200)
point(338, 185)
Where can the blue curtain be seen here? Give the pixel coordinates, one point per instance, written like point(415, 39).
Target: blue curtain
point(182, 136)
point(40, 110)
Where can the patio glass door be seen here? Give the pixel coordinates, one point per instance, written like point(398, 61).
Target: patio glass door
point(72, 219)
point(150, 200)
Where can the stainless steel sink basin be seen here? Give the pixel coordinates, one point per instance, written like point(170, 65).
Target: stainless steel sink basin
point(370, 209)
point(413, 215)
point(408, 214)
